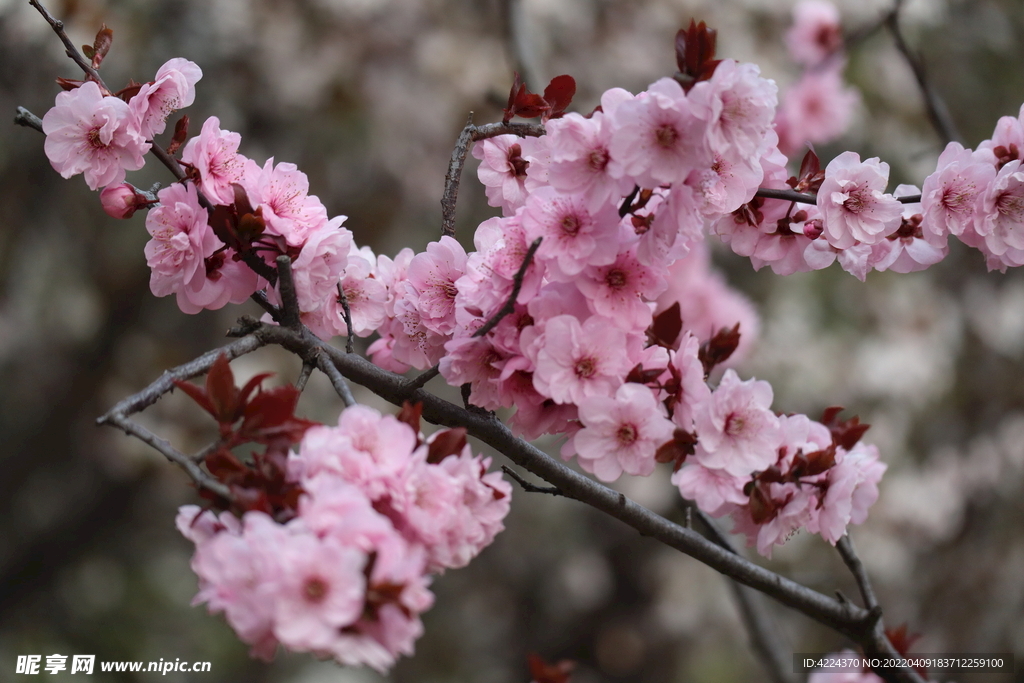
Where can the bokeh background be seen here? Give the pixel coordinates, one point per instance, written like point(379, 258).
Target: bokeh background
point(367, 97)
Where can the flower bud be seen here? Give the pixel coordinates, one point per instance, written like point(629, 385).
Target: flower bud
point(121, 201)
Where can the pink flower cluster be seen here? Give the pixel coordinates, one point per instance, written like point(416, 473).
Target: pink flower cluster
point(348, 576)
point(93, 132)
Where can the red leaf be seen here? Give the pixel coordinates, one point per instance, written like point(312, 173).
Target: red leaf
point(558, 95)
point(129, 91)
point(677, 450)
point(448, 442)
point(523, 103)
point(180, 134)
point(69, 83)
point(223, 465)
point(640, 376)
point(270, 415)
point(101, 46)
point(410, 415)
point(542, 672)
point(666, 326)
point(221, 391)
point(845, 433)
point(198, 395)
point(695, 54)
point(718, 349)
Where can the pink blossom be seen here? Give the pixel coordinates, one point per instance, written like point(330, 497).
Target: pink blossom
point(318, 268)
point(573, 237)
point(951, 195)
point(503, 170)
point(320, 590)
point(736, 429)
point(432, 274)
point(282, 191)
point(198, 525)
point(214, 153)
point(331, 506)
point(476, 361)
point(621, 433)
point(656, 137)
point(580, 159)
point(237, 575)
point(621, 291)
point(92, 134)
point(173, 88)
point(365, 294)
point(907, 250)
point(815, 34)
point(817, 109)
point(677, 226)
point(182, 241)
point(715, 491)
point(729, 183)
point(575, 361)
point(853, 203)
point(693, 390)
point(852, 489)
point(1001, 211)
point(738, 107)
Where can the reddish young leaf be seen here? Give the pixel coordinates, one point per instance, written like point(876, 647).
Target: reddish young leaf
point(695, 54)
point(225, 467)
point(448, 442)
point(69, 83)
point(665, 328)
point(522, 102)
point(222, 392)
point(180, 134)
point(542, 672)
point(129, 91)
point(845, 433)
point(101, 46)
point(719, 348)
point(558, 96)
point(677, 450)
point(410, 415)
point(640, 376)
point(198, 395)
point(270, 415)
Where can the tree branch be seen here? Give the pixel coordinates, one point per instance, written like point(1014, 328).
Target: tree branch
point(23, 117)
point(517, 284)
point(938, 113)
point(527, 486)
point(289, 298)
point(856, 567)
point(343, 300)
point(201, 478)
point(72, 51)
point(802, 198)
point(339, 383)
point(467, 137)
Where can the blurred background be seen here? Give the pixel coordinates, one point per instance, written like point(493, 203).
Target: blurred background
point(367, 97)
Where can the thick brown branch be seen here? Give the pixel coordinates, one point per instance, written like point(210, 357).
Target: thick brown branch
point(337, 381)
point(289, 298)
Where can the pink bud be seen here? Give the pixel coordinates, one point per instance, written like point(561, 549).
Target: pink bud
point(121, 201)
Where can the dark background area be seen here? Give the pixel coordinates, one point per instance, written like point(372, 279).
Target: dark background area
point(367, 97)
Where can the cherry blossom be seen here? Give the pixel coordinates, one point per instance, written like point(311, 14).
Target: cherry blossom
point(853, 203)
point(736, 429)
point(92, 134)
point(173, 88)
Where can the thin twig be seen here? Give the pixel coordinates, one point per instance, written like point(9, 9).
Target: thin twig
point(467, 137)
point(343, 300)
point(307, 370)
point(938, 113)
point(517, 284)
point(527, 486)
point(261, 298)
point(183, 461)
point(289, 297)
point(72, 51)
point(802, 198)
point(856, 567)
point(23, 117)
point(193, 368)
point(339, 383)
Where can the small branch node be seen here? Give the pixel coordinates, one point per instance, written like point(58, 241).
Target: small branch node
point(527, 486)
